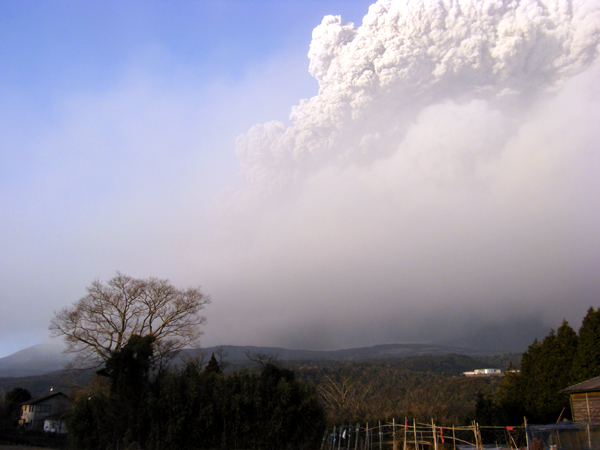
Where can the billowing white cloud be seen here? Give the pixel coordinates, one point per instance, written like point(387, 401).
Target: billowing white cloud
point(444, 174)
point(406, 55)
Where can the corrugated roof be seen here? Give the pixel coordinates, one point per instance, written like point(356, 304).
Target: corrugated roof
point(586, 386)
point(33, 401)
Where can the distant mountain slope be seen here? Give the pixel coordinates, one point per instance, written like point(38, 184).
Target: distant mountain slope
point(45, 358)
point(233, 353)
point(35, 360)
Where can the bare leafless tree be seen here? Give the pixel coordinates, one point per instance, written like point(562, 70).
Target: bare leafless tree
point(222, 354)
point(101, 322)
point(344, 395)
point(261, 358)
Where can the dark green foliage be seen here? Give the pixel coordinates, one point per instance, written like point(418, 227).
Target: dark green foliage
point(451, 364)
point(508, 408)
point(544, 372)
point(213, 366)
point(129, 368)
point(268, 410)
point(485, 409)
point(89, 423)
point(17, 396)
point(568, 344)
point(13, 400)
point(486, 414)
point(561, 359)
point(586, 364)
point(195, 409)
point(101, 421)
point(547, 367)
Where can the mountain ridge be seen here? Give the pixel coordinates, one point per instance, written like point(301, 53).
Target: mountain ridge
point(45, 358)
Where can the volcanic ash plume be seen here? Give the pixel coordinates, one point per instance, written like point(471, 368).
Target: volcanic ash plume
point(410, 54)
point(447, 168)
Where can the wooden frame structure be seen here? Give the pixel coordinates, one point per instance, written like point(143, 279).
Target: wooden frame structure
point(415, 436)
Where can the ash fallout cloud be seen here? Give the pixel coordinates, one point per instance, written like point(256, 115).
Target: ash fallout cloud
point(443, 180)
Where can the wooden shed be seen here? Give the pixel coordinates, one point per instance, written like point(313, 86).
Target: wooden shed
point(585, 400)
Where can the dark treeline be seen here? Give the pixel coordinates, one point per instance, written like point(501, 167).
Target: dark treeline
point(194, 408)
point(561, 359)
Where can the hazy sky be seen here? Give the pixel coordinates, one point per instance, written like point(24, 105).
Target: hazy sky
point(332, 174)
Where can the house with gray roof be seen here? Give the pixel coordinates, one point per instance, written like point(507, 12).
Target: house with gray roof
point(35, 411)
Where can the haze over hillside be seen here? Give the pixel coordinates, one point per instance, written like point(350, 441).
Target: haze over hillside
point(35, 360)
point(45, 358)
point(512, 337)
point(334, 174)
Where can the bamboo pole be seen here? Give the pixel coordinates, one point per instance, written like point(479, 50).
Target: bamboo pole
point(453, 437)
point(526, 434)
point(356, 442)
point(349, 436)
point(334, 438)
point(434, 436)
point(405, 431)
point(589, 436)
point(415, 429)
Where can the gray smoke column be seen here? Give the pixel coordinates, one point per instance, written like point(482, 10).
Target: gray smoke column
point(444, 178)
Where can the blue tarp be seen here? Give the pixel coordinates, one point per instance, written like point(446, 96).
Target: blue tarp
point(564, 436)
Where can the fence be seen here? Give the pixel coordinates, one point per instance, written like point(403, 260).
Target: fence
point(420, 436)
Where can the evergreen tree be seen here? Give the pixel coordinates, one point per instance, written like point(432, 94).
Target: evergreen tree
point(213, 366)
point(568, 342)
point(531, 378)
point(88, 424)
point(118, 420)
point(13, 400)
point(509, 398)
point(194, 409)
point(129, 368)
point(558, 351)
point(586, 363)
point(545, 371)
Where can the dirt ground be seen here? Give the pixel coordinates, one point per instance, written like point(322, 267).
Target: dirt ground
point(21, 447)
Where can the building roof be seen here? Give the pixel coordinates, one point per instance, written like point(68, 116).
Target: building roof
point(33, 401)
point(587, 386)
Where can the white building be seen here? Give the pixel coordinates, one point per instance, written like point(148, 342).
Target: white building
point(484, 373)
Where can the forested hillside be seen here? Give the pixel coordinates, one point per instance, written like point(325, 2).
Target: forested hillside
point(424, 387)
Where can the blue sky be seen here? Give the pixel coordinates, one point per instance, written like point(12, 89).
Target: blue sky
point(82, 84)
point(413, 175)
